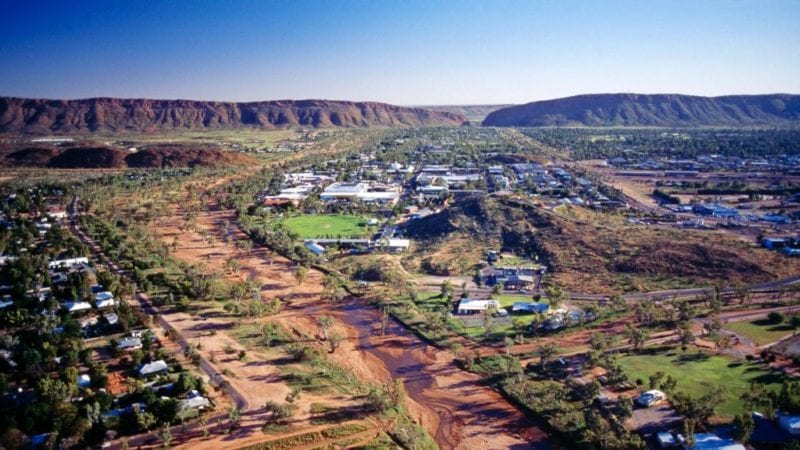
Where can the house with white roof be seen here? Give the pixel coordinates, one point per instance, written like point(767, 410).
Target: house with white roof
point(111, 318)
point(395, 245)
point(74, 307)
point(129, 343)
point(471, 306)
point(194, 402)
point(153, 368)
point(104, 299)
point(67, 263)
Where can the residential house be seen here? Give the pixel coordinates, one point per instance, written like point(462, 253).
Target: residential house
point(471, 306)
point(153, 368)
point(104, 299)
point(76, 307)
point(315, 248)
point(395, 245)
point(129, 343)
point(67, 263)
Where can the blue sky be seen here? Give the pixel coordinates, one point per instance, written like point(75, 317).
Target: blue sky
point(397, 51)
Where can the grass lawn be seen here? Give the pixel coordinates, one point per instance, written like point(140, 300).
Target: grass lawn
point(430, 300)
point(761, 331)
point(698, 373)
point(324, 225)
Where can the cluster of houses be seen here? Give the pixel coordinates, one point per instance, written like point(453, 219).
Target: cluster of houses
point(720, 211)
point(156, 374)
point(88, 312)
point(554, 319)
point(708, 163)
point(513, 278)
point(567, 187)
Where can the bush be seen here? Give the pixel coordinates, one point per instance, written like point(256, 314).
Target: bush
point(776, 318)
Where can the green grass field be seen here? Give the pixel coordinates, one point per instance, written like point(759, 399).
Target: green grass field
point(323, 225)
point(762, 332)
point(698, 373)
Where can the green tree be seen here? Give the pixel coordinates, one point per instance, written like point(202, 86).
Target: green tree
point(325, 323)
point(655, 380)
point(624, 408)
point(446, 289)
point(165, 436)
point(546, 352)
point(744, 427)
point(636, 336)
point(144, 420)
point(335, 339)
point(234, 416)
point(332, 290)
point(280, 412)
point(556, 296)
point(301, 274)
point(776, 318)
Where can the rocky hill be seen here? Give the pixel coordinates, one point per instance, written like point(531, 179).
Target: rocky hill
point(95, 156)
point(665, 110)
point(118, 115)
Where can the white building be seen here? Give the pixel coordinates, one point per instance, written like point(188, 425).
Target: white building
point(67, 263)
point(104, 299)
point(74, 307)
point(470, 306)
point(153, 368)
point(129, 343)
point(363, 191)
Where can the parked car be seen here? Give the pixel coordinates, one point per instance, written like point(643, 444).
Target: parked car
point(651, 398)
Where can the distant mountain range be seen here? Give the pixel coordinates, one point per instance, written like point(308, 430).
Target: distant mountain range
point(116, 115)
point(667, 110)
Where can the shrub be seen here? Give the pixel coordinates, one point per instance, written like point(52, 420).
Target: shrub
point(776, 318)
